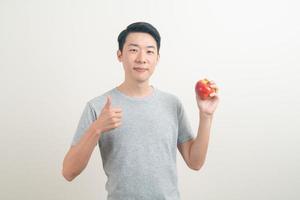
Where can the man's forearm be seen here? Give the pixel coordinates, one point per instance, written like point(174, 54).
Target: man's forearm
point(78, 156)
point(199, 147)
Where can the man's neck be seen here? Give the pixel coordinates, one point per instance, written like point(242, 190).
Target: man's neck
point(135, 89)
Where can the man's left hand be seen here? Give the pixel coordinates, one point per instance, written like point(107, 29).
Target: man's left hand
point(208, 106)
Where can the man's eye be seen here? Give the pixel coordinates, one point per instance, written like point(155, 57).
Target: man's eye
point(133, 50)
point(150, 52)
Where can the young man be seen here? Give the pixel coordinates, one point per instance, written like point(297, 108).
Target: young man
point(138, 127)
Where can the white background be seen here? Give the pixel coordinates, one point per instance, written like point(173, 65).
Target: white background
point(56, 55)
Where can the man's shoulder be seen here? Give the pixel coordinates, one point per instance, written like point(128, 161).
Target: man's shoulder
point(168, 96)
point(100, 100)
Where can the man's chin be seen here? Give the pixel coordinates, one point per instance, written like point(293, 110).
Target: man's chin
point(140, 80)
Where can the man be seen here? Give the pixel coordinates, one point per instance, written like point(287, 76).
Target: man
point(138, 127)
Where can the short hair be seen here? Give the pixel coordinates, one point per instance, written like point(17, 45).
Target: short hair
point(140, 27)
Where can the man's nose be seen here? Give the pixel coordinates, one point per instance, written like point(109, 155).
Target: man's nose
point(141, 58)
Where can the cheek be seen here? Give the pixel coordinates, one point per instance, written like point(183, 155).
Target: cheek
point(128, 61)
point(153, 62)
point(152, 68)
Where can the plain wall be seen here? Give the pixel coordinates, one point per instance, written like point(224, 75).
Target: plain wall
point(56, 55)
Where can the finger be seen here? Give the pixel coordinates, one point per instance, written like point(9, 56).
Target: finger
point(215, 87)
point(212, 82)
point(108, 102)
point(116, 125)
point(118, 115)
point(213, 94)
point(116, 110)
point(115, 121)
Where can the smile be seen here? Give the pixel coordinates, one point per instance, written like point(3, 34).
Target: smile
point(140, 69)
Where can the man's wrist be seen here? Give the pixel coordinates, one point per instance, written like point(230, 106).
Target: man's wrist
point(94, 129)
point(205, 115)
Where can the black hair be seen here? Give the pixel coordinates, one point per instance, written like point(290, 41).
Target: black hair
point(142, 27)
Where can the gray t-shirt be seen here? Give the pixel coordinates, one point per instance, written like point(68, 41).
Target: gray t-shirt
point(139, 157)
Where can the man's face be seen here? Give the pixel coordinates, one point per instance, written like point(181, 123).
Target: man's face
point(139, 57)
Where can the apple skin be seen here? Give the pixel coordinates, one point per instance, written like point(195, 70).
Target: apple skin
point(204, 89)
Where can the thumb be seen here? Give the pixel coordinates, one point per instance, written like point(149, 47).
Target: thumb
point(108, 102)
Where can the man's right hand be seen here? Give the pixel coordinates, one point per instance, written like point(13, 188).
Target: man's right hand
point(109, 118)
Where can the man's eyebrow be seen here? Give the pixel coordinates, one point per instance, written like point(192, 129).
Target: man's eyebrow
point(131, 44)
point(153, 47)
point(136, 45)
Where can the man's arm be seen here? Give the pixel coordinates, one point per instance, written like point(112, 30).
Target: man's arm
point(194, 151)
point(78, 155)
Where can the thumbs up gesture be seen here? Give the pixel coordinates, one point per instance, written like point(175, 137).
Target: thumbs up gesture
point(109, 118)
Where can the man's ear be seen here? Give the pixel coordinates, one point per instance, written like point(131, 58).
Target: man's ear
point(119, 55)
point(158, 57)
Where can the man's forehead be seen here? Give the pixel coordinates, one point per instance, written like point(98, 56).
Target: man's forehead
point(137, 45)
point(140, 40)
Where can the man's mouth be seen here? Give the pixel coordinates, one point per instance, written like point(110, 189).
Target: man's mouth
point(139, 69)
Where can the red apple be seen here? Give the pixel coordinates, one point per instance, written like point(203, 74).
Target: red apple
point(204, 89)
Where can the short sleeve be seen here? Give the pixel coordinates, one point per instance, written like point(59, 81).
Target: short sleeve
point(88, 116)
point(185, 132)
